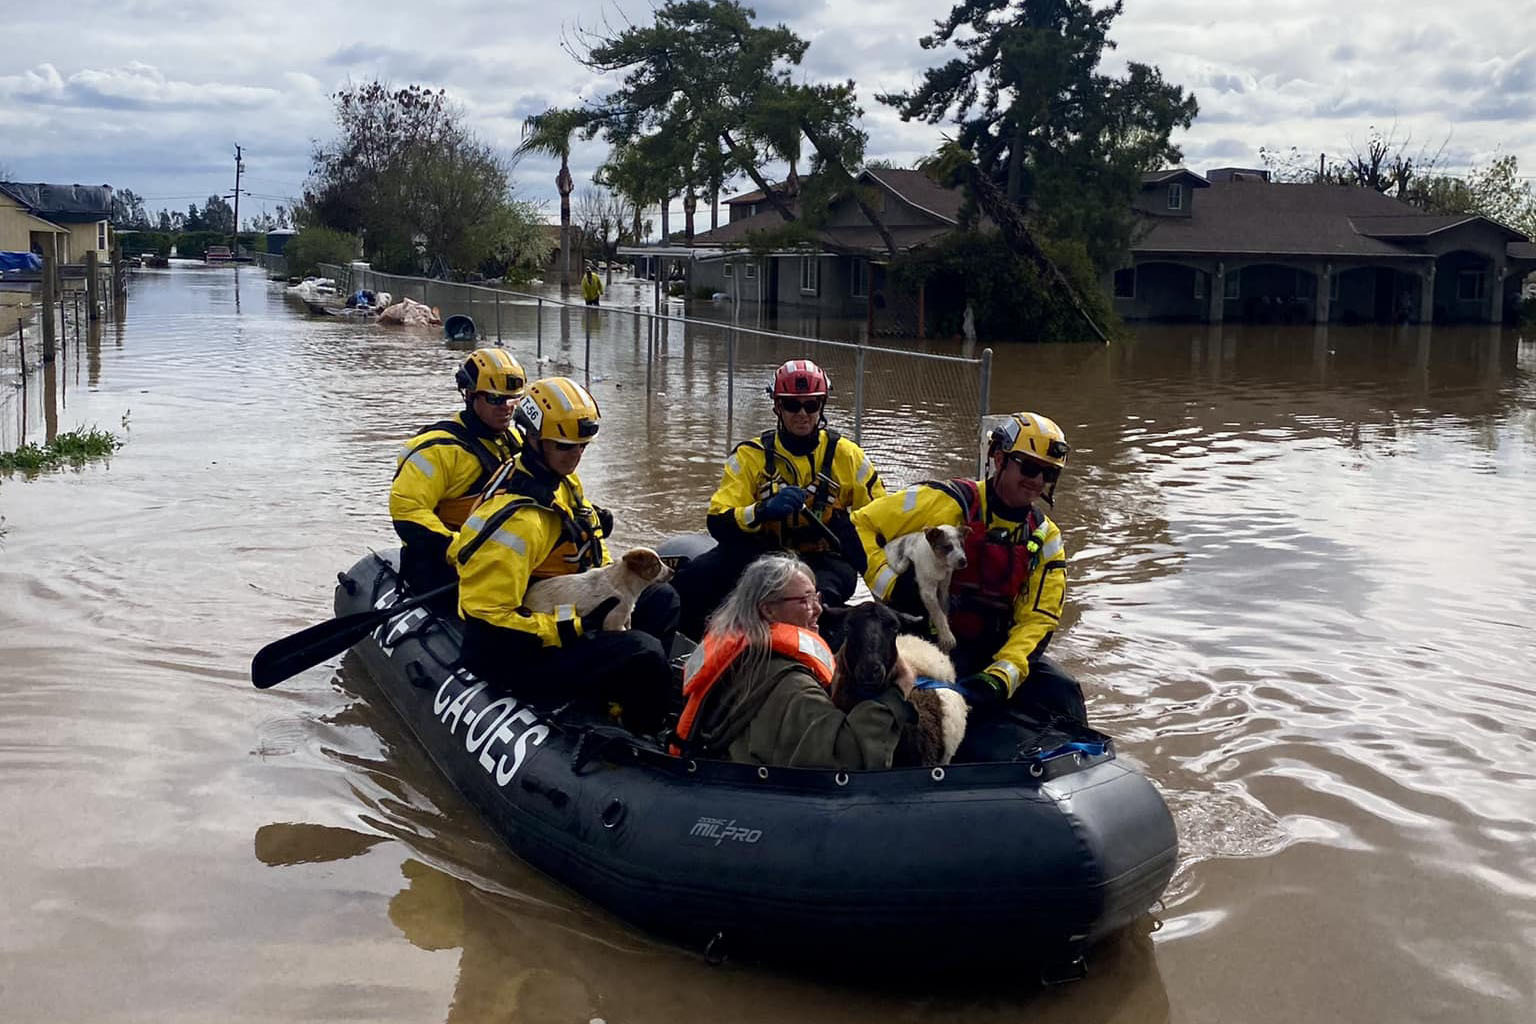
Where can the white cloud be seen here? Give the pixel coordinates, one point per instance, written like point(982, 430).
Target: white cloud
point(167, 89)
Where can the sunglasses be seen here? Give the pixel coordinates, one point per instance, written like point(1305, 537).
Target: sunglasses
point(804, 599)
point(798, 405)
point(1031, 469)
point(497, 400)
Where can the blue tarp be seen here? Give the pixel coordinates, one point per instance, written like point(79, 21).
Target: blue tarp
point(20, 261)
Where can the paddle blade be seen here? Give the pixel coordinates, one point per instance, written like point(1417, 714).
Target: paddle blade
point(282, 659)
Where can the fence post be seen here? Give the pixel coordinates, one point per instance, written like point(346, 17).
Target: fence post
point(587, 359)
point(730, 383)
point(21, 345)
point(984, 405)
point(498, 316)
point(50, 292)
point(539, 329)
point(650, 352)
point(92, 283)
point(858, 397)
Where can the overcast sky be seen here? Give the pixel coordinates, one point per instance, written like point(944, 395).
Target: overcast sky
point(152, 95)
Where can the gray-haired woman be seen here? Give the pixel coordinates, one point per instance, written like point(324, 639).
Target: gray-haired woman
point(756, 689)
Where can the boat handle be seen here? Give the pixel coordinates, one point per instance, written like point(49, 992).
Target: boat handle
point(1036, 770)
point(762, 772)
point(613, 814)
point(938, 774)
point(841, 778)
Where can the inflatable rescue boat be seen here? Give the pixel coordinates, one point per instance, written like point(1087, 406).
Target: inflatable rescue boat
point(1049, 846)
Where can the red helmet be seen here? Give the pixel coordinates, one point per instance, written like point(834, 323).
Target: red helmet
point(800, 377)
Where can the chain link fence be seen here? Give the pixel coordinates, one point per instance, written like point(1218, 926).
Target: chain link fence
point(918, 414)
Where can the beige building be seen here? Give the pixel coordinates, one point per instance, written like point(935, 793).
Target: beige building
point(76, 215)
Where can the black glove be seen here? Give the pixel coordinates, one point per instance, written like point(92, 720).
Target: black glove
point(593, 620)
point(604, 519)
point(848, 539)
point(781, 504)
point(982, 691)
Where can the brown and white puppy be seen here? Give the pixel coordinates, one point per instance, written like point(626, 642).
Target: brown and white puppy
point(934, 555)
point(624, 579)
point(874, 653)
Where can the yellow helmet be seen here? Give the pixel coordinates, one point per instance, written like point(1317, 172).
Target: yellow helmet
point(1033, 436)
point(558, 409)
point(491, 371)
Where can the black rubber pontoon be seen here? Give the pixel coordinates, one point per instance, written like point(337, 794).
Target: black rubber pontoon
point(1042, 855)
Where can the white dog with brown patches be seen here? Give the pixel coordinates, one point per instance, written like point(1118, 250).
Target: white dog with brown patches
point(624, 579)
point(934, 555)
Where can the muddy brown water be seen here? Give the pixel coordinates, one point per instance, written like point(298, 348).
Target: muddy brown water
point(1301, 573)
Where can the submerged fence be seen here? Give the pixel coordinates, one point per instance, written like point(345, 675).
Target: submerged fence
point(916, 413)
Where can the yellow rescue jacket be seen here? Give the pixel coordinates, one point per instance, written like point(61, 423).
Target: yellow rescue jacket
point(440, 472)
point(525, 529)
point(837, 469)
point(591, 286)
point(1036, 609)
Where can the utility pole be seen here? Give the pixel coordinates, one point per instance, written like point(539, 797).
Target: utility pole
point(234, 247)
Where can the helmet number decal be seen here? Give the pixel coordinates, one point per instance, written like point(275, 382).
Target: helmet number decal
point(529, 408)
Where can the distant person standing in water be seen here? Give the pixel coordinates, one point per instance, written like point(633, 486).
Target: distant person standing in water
point(591, 286)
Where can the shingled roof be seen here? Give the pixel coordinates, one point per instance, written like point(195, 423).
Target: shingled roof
point(1292, 220)
point(913, 187)
point(62, 203)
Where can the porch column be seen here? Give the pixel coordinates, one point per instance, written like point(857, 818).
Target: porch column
point(1322, 306)
point(1427, 295)
point(1218, 296)
point(1496, 296)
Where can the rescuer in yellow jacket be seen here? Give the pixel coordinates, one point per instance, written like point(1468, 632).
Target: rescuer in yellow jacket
point(535, 522)
point(591, 286)
point(1005, 605)
point(440, 472)
point(790, 489)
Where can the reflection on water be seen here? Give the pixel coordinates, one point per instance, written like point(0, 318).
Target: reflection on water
point(1301, 561)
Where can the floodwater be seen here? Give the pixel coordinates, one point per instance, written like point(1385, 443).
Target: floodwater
point(1301, 573)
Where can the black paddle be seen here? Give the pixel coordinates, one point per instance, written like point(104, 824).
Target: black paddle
point(282, 659)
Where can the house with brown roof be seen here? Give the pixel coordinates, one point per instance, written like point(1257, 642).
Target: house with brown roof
point(1234, 245)
point(848, 270)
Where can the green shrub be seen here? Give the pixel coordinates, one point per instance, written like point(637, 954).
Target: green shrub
point(1526, 311)
point(314, 246)
point(74, 447)
point(1012, 299)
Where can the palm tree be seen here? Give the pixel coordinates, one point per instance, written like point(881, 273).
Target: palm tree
point(550, 133)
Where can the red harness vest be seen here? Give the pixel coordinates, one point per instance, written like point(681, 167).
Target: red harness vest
point(708, 664)
point(998, 564)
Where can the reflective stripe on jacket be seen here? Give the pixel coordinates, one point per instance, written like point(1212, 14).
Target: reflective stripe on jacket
point(748, 478)
point(440, 472)
point(525, 531)
point(1035, 609)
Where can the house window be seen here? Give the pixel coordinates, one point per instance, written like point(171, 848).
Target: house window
point(1199, 284)
point(101, 235)
point(1175, 197)
point(1469, 285)
point(859, 278)
point(730, 269)
point(1230, 283)
point(749, 270)
point(1125, 283)
point(810, 277)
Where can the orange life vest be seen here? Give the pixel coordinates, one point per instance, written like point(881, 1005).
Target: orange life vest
point(708, 664)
